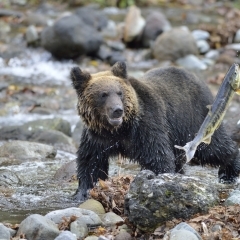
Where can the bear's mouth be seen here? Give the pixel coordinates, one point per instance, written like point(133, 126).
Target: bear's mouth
point(115, 121)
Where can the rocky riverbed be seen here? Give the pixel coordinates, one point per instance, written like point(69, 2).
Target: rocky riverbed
point(40, 128)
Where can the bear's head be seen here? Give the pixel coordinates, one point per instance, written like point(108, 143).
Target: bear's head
point(106, 99)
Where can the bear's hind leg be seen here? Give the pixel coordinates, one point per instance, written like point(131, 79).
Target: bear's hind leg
point(222, 152)
point(230, 172)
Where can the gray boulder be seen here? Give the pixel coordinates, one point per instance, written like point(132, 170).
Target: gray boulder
point(184, 231)
point(156, 23)
point(153, 200)
point(191, 62)
point(70, 37)
point(234, 198)
point(66, 171)
point(9, 179)
point(87, 216)
point(173, 44)
point(26, 150)
point(66, 235)
point(25, 131)
point(134, 24)
point(4, 232)
point(199, 34)
point(79, 228)
point(38, 227)
point(92, 17)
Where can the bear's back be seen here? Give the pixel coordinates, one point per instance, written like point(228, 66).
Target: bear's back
point(177, 85)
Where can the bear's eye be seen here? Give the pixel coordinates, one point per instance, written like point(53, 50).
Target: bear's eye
point(104, 95)
point(119, 93)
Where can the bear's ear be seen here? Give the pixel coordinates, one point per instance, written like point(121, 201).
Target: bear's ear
point(119, 69)
point(79, 78)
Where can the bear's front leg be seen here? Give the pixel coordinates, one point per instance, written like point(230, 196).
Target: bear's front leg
point(92, 164)
point(81, 193)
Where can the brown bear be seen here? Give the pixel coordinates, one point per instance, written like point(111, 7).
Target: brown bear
point(142, 120)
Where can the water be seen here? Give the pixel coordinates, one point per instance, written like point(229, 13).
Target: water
point(36, 66)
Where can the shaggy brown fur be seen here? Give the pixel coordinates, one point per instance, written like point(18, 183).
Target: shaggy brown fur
point(142, 120)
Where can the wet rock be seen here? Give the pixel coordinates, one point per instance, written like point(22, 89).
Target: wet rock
point(103, 238)
point(116, 57)
point(203, 46)
point(212, 54)
point(19, 2)
point(36, 19)
point(9, 178)
point(156, 23)
point(66, 235)
point(110, 219)
point(153, 200)
point(200, 34)
point(66, 172)
point(77, 132)
point(93, 205)
point(234, 46)
point(52, 137)
point(183, 229)
point(42, 111)
point(104, 52)
point(37, 131)
point(92, 17)
point(116, 45)
point(25, 150)
point(91, 238)
point(174, 44)
point(87, 216)
point(70, 37)
point(191, 62)
point(4, 232)
point(123, 235)
point(8, 12)
point(182, 235)
point(207, 61)
point(38, 227)
point(110, 31)
point(58, 124)
point(234, 198)
point(134, 24)
point(25, 131)
point(79, 228)
point(32, 37)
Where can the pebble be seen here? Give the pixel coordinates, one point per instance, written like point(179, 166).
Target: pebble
point(203, 46)
point(91, 238)
point(79, 228)
point(31, 35)
point(182, 235)
point(38, 227)
point(66, 235)
point(184, 226)
point(200, 34)
point(191, 62)
point(87, 216)
point(123, 235)
point(212, 54)
point(93, 205)
point(4, 232)
point(25, 150)
point(110, 219)
point(234, 198)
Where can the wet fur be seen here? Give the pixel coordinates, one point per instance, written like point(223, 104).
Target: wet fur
point(164, 108)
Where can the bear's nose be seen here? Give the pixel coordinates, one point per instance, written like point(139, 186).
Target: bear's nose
point(117, 112)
